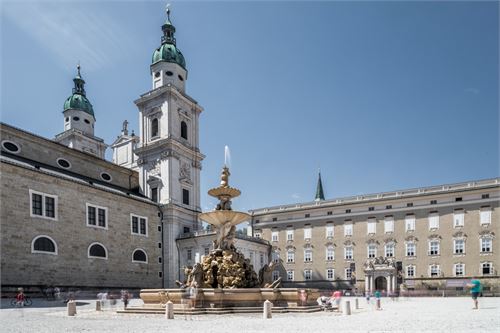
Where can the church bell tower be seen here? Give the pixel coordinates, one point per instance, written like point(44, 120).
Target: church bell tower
point(168, 154)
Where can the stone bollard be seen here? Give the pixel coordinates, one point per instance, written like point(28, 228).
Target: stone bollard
point(346, 310)
point(71, 308)
point(356, 304)
point(98, 305)
point(268, 310)
point(169, 310)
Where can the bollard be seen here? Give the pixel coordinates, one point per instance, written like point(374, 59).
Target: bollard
point(169, 310)
point(98, 305)
point(356, 304)
point(71, 308)
point(346, 310)
point(268, 309)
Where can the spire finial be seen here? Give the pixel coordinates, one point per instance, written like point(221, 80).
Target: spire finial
point(168, 11)
point(319, 188)
point(78, 67)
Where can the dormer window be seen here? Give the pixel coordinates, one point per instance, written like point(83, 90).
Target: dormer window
point(154, 128)
point(184, 130)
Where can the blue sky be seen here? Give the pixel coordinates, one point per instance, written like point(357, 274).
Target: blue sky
point(380, 95)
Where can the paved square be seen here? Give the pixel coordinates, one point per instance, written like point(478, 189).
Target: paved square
point(413, 315)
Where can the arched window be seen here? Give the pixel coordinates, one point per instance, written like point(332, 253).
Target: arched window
point(139, 256)
point(154, 127)
point(184, 130)
point(97, 250)
point(43, 244)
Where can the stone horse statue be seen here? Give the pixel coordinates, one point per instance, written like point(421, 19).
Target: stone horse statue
point(266, 278)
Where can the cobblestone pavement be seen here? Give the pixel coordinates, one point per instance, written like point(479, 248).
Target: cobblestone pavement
point(412, 315)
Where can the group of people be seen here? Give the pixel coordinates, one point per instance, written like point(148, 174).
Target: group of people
point(332, 302)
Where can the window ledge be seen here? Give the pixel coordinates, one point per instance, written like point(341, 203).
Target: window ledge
point(485, 253)
point(456, 255)
point(97, 227)
point(411, 257)
point(139, 234)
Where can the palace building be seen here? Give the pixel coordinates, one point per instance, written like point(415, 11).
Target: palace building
point(427, 238)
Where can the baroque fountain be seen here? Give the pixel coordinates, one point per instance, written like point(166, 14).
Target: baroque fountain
point(225, 280)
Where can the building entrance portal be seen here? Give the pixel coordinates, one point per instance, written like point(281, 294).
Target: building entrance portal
point(381, 283)
point(380, 274)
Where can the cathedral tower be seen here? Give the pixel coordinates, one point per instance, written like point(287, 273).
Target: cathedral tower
point(79, 122)
point(168, 154)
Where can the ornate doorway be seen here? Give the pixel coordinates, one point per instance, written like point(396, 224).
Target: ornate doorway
point(381, 283)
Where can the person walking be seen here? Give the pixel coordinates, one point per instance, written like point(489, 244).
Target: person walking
point(377, 300)
point(125, 298)
point(337, 296)
point(475, 290)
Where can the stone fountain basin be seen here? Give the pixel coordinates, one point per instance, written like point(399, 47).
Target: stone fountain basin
point(241, 297)
point(223, 217)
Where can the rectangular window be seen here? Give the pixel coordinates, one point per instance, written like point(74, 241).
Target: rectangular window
point(372, 251)
point(433, 221)
point(434, 202)
point(347, 211)
point(289, 235)
point(485, 196)
point(275, 219)
point(261, 258)
point(485, 215)
point(329, 213)
point(274, 236)
point(50, 206)
point(486, 244)
point(409, 204)
point(348, 253)
point(486, 268)
point(330, 274)
point(458, 246)
point(411, 249)
point(139, 225)
point(43, 205)
point(308, 275)
point(207, 251)
point(290, 257)
point(459, 269)
point(307, 233)
point(36, 206)
point(329, 230)
point(371, 226)
point(370, 209)
point(388, 207)
point(410, 271)
point(348, 229)
point(289, 275)
point(307, 215)
point(434, 248)
point(276, 275)
point(159, 260)
point(276, 257)
point(389, 224)
point(434, 270)
point(135, 225)
point(97, 216)
point(410, 223)
point(389, 250)
point(348, 274)
point(101, 217)
point(307, 255)
point(189, 254)
point(185, 196)
point(458, 218)
point(330, 253)
point(154, 194)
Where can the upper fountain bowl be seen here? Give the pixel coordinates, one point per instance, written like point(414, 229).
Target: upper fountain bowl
point(230, 192)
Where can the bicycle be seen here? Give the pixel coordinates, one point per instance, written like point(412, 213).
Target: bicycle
point(27, 301)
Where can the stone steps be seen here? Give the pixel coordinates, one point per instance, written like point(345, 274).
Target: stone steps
point(220, 311)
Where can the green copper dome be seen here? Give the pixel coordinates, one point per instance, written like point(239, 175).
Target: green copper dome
point(169, 53)
point(78, 101)
point(168, 50)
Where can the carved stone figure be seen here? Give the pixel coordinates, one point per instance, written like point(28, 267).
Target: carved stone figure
point(224, 204)
point(185, 171)
point(265, 275)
